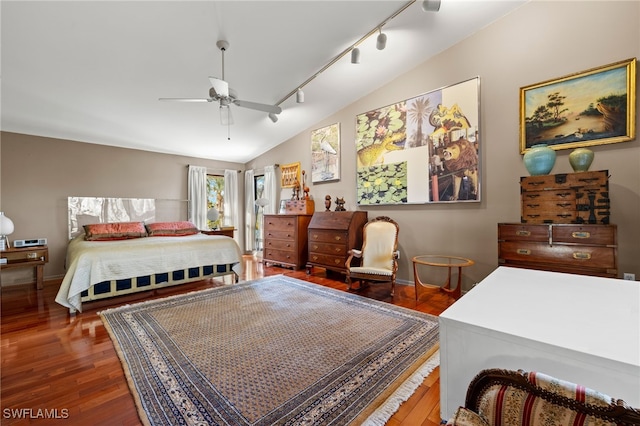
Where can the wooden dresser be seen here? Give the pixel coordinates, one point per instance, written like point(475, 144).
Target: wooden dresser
point(331, 236)
point(573, 248)
point(285, 239)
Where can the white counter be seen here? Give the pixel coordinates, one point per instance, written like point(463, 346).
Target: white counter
point(577, 328)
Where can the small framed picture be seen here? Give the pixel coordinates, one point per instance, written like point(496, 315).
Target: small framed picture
point(290, 175)
point(283, 206)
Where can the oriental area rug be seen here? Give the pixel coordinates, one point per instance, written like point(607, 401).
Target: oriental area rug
point(274, 351)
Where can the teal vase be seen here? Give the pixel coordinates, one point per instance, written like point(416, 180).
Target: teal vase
point(581, 159)
point(539, 159)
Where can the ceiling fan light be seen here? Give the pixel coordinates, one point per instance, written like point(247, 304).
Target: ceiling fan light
point(273, 117)
point(355, 55)
point(381, 41)
point(431, 5)
point(300, 96)
point(225, 115)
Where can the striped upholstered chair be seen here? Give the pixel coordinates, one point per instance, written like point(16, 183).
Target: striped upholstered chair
point(513, 398)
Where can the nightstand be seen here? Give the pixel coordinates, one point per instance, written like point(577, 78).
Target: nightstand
point(225, 232)
point(23, 257)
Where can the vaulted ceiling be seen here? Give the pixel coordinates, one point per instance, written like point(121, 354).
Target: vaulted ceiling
point(93, 71)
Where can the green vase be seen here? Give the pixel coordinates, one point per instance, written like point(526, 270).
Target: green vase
point(581, 159)
point(539, 159)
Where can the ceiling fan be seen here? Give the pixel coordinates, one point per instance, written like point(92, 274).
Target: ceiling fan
point(221, 92)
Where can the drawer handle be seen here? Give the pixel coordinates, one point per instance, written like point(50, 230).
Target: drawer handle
point(523, 233)
point(288, 235)
point(581, 234)
point(533, 205)
point(533, 215)
point(32, 255)
point(589, 180)
point(288, 245)
point(563, 204)
point(338, 249)
point(582, 256)
point(338, 238)
point(525, 252)
point(536, 183)
point(564, 194)
point(532, 195)
point(315, 247)
point(565, 215)
point(314, 236)
point(315, 257)
point(337, 261)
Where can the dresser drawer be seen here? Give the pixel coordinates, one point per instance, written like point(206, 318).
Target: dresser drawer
point(280, 235)
point(585, 234)
point(284, 256)
point(515, 232)
point(286, 245)
point(327, 236)
point(274, 223)
point(585, 257)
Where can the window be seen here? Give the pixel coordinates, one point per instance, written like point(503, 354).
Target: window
point(258, 182)
point(215, 199)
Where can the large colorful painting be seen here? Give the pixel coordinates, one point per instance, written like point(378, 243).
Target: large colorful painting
point(422, 150)
point(325, 154)
point(593, 107)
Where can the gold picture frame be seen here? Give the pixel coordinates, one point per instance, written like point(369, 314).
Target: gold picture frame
point(290, 176)
point(593, 107)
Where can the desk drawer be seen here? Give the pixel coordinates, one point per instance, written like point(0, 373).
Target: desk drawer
point(273, 255)
point(327, 260)
point(286, 245)
point(327, 248)
point(328, 236)
point(516, 232)
point(597, 235)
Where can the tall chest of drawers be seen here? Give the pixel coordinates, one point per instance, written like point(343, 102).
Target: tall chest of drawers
point(331, 236)
point(578, 249)
point(285, 239)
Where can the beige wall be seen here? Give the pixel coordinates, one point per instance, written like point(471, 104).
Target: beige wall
point(539, 41)
point(38, 174)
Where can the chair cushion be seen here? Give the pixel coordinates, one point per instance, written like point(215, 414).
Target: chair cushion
point(370, 270)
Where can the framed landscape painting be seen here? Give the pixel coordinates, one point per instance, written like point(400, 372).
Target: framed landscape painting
point(325, 154)
point(421, 150)
point(593, 107)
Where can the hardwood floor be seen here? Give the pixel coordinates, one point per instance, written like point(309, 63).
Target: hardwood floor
point(68, 365)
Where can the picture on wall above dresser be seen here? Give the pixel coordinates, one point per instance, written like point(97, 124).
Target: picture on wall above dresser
point(421, 150)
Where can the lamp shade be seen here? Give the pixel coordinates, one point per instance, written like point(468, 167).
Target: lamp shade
point(262, 202)
point(213, 214)
point(6, 225)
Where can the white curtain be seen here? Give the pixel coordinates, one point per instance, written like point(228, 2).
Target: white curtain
point(270, 190)
point(231, 201)
point(198, 196)
point(250, 211)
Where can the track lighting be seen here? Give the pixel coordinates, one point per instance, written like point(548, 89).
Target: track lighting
point(355, 55)
point(381, 41)
point(431, 5)
point(300, 96)
point(273, 117)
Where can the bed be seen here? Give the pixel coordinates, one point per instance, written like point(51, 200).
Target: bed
point(118, 264)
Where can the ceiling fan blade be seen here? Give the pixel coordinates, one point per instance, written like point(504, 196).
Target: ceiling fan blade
point(220, 87)
point(186, 99)
point(260, 107)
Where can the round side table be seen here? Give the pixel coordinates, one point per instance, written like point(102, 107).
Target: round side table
point(445, 261)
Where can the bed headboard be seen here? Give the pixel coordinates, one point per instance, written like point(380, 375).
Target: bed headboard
point(85, 210)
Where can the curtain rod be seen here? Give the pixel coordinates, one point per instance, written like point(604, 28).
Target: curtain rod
point(213, 170)
point(261, 170)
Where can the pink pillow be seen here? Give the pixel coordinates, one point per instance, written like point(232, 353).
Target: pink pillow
point(114, 231)
point(171, 229)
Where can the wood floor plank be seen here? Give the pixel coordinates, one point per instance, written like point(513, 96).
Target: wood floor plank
point(51, 360)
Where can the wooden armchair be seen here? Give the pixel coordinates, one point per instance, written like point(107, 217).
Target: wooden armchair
point(379, 254)
point(513, 398)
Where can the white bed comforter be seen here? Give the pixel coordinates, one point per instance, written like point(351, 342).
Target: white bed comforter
point(92, 262)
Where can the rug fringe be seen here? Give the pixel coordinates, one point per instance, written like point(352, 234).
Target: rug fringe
point(383, 413)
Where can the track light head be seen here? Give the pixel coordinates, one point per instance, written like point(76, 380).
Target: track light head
point(355, 55)
point(381, 41)
point(431, 5)
point(300, 96)
point(273, 117)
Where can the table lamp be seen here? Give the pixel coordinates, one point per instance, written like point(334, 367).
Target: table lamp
point(213, 215)
point(6, 228)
